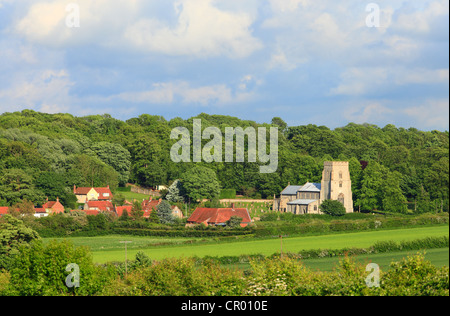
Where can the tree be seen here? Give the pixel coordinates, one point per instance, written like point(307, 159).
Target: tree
point(332, 207)
point(54, 185)
point(154, 218)
point(136, 210)
point(175, 192)
point(17, 185)
point(201, 183)
point(13, 234)
point(372, 182)
point(234, 222)
point(22, 208)
point(115, 156)
point(393, 198)
point(40, 270)
point(165, 213)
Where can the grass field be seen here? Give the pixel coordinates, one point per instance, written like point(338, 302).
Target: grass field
point(439, 257)
point(106, 249)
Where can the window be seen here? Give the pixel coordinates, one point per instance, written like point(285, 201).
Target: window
point(340, 175)
point(340, 184)
point(341, 198)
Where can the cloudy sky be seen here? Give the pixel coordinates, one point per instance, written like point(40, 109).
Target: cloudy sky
point(322, 62)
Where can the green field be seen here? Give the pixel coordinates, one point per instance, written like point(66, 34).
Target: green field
point(439, 257)
point(106, 249)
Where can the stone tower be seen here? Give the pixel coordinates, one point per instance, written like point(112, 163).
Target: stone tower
point(336, 184)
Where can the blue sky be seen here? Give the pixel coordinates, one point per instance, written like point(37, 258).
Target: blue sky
point(306, 61)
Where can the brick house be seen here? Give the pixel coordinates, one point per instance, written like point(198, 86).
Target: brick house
point(84, 194)
point(101, 206)
point(218, 216)
point(53, 207)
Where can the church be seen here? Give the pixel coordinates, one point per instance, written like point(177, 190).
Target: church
point(306, 199)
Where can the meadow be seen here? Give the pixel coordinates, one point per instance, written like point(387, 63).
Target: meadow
point(108, 248)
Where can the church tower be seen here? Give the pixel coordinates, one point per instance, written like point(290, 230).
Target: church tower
point(336, 184)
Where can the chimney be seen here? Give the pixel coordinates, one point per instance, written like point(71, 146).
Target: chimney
point(74, 188)
point(57, 199)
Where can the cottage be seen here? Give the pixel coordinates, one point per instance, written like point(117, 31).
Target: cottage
point(120, 209)
point(218, 216)
point(102, 206)
point(84, 194)
point(53, 207)
point(149, 205)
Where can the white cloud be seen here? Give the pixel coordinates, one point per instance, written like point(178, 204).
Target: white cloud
point(202, 30)
point(47, 90)
point(360, 81)
point(369, 113)
point(171, 92)
point(431, 114)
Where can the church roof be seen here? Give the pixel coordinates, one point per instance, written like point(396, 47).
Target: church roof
point(291, 190)
point(308, 187)
point(301, 202)
point(311, 187)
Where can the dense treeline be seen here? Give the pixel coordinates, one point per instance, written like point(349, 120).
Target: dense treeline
point(46, 154)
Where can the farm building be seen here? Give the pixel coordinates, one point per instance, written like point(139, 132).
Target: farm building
point(218, 216)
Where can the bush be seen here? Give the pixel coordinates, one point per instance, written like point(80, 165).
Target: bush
point(227, 194)
point(40, 270)
point(333, 208)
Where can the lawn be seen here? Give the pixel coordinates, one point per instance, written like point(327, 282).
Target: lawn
point(106, 249)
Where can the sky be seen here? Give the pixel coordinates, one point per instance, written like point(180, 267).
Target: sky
point(320, 62)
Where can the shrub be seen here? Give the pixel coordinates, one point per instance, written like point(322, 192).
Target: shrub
point(40, 270)
point(333, 208)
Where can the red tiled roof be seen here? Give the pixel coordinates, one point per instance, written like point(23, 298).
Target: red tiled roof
point(101, 205)
point(81, 191)
point(3, 210)
point(120, 209)
point(104, 193)
point(101, 192)
point(40, 210)
point(218, 216)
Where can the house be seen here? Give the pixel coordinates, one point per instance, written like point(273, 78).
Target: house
point(306, 199)
point(53, 207)
point(40, 212)
point(84, 194)
point(120, 209)
point(149, 205)
point(218, 216)
point(87, 212)
point(101, 206)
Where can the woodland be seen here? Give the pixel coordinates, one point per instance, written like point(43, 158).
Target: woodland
point(393, 169)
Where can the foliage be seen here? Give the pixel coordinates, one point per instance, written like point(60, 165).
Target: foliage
point(40, 270)
point(234, 222)
point(164, 211)
point(175, 192)
point(201, 183)
point(403, 165)
point(332, 207)
point(13, 234)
